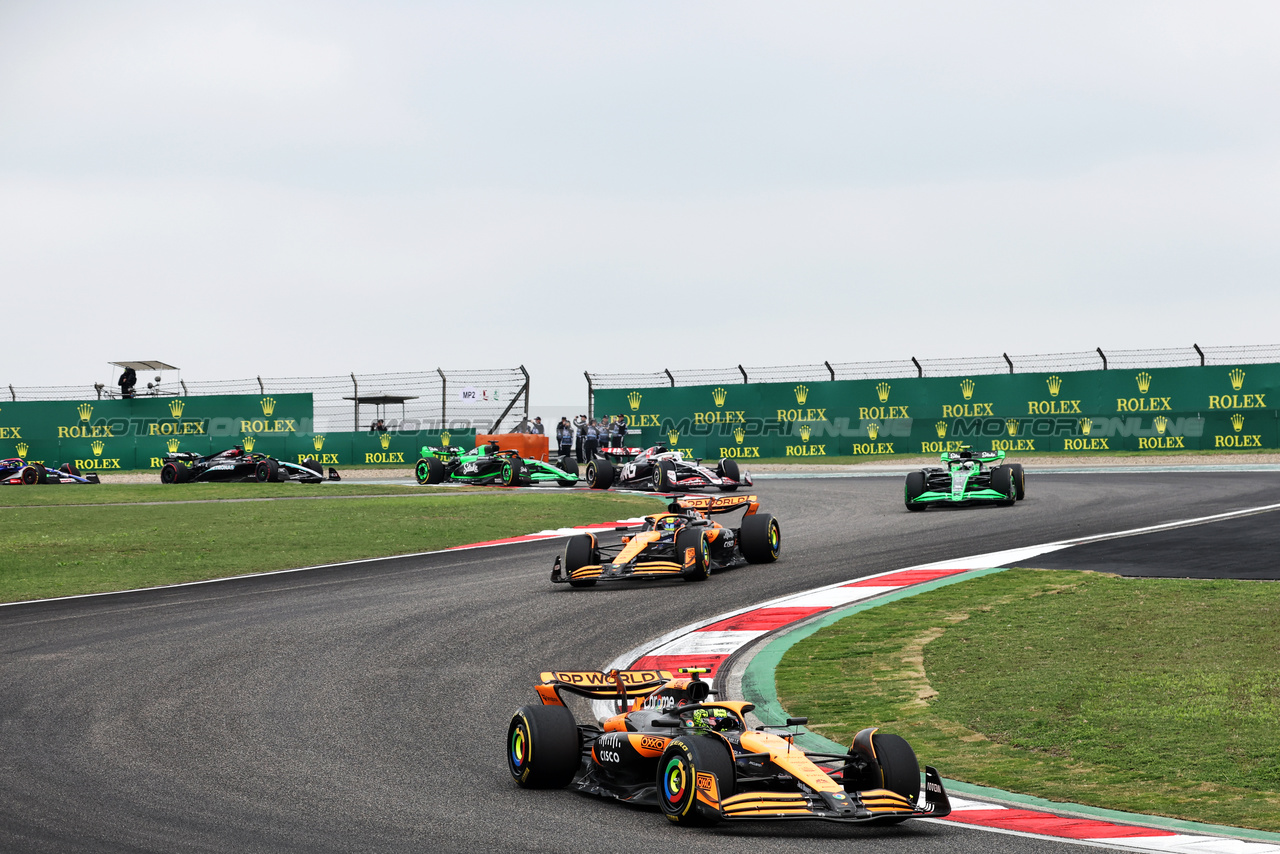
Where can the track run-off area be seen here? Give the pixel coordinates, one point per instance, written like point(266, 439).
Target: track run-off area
point(364, 707)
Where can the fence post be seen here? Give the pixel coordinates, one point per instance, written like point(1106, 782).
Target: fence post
point(355, 403)
point(1201, 352)
point(919, 370)
point(183, 383)
point(13, 393)
point(830, 370)
point(591, 396)
point(526, 393)
point(1104, 358)
point(444, 400)
point(1009, 362)
point(744, 374)
point(667, 371)
point(261, 388)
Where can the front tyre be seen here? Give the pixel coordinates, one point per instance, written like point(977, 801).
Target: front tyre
point(1002, 482)
point(729, 468)
point(663, 475)
point(1019, 480)
point(761, 538)
point(884, 761)
point(914, 489)
point(580, 551)
point(682, 762)
point(544, 748)
point(691, 552)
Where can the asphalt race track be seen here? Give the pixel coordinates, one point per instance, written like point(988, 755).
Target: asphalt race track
point(365, 708)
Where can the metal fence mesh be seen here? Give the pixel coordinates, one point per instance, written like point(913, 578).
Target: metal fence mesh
point(435, 398)
point(1090, 360)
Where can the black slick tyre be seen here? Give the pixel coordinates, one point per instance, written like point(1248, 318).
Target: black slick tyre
point(914, 489)
point(29, 475)
point(314, 466)
point(580, 551)
point(661, 477)
point(678, 769)
point(429, 471)
point(729, 468)
point(283, 474)
point(760, 538)
point(1019, 480)
point(266, 471)
point(544, 748)
point(44, 474)
point(1002, 482)
point(599, 474)
point(691, 552)
point(70, 468)
point(511, 471)
point(169, 473)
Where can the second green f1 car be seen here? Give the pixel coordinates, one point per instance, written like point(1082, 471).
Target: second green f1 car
point(490, 465)
point(966, 478)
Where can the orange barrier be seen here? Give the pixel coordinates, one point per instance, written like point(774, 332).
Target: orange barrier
point(530, 445)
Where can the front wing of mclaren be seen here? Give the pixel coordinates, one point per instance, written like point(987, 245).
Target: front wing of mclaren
point(850, 807)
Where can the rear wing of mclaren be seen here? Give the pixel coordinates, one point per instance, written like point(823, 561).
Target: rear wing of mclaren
point(708, 504)
point(625, 685)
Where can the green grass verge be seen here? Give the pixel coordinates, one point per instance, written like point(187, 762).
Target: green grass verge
point(132, 493)
point(1156, 696)
point(63, 551)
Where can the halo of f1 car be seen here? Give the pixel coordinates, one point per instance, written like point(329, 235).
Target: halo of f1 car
point(236, 465)
point(490, 465)
point(966, 478)
point(699, 762)
point(16, 471)
point(682, 542)
point(661, 470)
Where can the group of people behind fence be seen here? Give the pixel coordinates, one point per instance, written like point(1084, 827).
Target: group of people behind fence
point(583, 436)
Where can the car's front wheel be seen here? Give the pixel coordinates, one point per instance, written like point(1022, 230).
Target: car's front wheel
point(684, 760)
point(914, 489)
point(691, 551)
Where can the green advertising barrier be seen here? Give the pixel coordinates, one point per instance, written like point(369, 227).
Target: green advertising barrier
point(1194, 408)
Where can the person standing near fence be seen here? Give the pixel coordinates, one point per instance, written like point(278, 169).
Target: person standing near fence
point(591, 440)
point(580, 433)
point(564, 436)
point(615, 434)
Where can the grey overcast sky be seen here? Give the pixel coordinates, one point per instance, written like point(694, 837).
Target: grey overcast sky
point(316, 188)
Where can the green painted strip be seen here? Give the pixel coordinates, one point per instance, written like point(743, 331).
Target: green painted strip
point(759, 688)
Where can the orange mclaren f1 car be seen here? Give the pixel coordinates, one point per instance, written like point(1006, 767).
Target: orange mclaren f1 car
point(683, 543)
point(697, 759)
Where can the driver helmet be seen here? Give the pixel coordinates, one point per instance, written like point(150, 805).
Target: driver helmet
point(709, 719)
point(668, 523)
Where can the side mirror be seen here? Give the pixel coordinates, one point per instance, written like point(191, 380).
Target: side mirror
point(797, 721)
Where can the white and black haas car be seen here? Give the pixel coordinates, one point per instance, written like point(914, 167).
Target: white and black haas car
point(661, 470)
point(236, 465)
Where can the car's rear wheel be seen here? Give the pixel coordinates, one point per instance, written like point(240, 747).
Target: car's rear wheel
point(544, 748)
point(663, 474)
point(1002, 482)
point(1019, 480)
point(678, 769)
point(914, 489)
point(691, 552)
point(429, 471)
point(761, 538)
point(729, 468)
point(169, 473)
point(29, 475)
point(599, 474)
point(266, 471)
point(580, 551)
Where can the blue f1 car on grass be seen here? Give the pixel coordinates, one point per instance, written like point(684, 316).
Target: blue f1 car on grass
point(17, 471)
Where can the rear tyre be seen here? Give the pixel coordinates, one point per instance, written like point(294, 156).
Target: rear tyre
point(169, 473)
point(544, 748)
point(1002, 481)
point(691, 552)
point(678, 769)
point(728, 468)
point(663, 474)
point(1019, 480)
point(581, 551)
point(267, 471)
point(761, 538)
point(429, 471)
point(914, 489)
point(599, 474)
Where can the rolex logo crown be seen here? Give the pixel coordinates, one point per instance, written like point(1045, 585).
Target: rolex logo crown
point(1086, 424)
point(1237, 378)
point(673, 437)
point(85, 410)
point(444, 439)
point(268, 406)
point(873, 431)
point(966, 388)
point(1144, 381)
point(739, 434)
point(317, 442)
point(1237, 422)
point(172, 445)
point(1055, 385)
point(1012, 424)
point(248, 443)
point(941, 428)
point(882, 392)
point(802, 394)
point(97, 447)
point(1161, 423)
point(719, 395)
point(22, 449)
point(634, 400)
point(805, 432)
point(384, 440)
point(176, 406)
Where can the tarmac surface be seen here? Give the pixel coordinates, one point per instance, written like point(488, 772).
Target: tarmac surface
point(364, 707)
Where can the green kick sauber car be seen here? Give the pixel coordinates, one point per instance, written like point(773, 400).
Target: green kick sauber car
point(489, 465)
point(966, 478)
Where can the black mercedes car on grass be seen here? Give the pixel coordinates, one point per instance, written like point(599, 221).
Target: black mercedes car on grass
point(236, 465)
